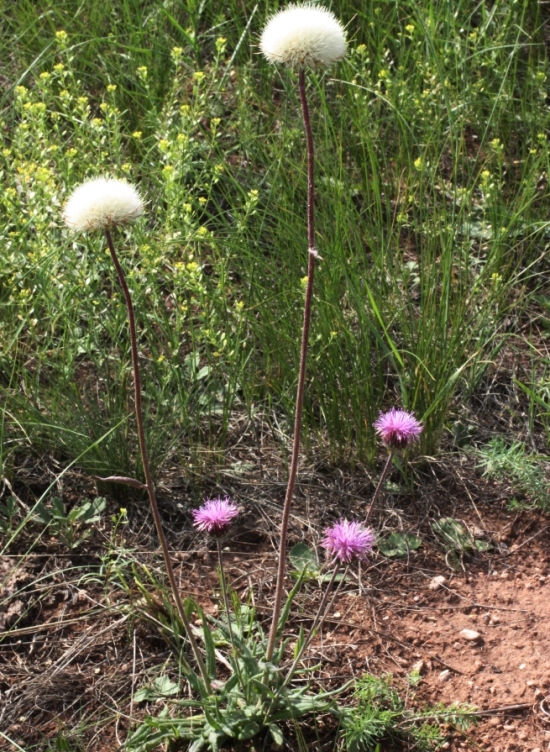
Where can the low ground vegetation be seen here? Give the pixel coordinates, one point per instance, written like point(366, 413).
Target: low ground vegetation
point(431, 294)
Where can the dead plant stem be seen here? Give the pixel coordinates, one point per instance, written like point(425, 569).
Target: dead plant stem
point(145, 461)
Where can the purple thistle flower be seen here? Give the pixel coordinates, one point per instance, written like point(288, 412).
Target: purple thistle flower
point(346, 541)
point(398, 428)
point(215, 516)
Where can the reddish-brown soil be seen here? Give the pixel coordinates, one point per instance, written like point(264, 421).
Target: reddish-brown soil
point(505, 602)
point(75, 644)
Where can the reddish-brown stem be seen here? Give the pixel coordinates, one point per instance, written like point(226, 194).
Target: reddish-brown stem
point(312, 254)
point(379, 486)
point(145, 461)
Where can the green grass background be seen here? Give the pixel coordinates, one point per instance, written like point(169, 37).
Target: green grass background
point(432, 212)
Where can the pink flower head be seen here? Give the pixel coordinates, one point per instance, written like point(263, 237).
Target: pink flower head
point(215, 516)
point(398, 428)
point(346, 541)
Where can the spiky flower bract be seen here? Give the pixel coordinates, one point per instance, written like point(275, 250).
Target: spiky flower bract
point(215, 516)
point(305, 35)
point(346, 541)
point(102, 203)
point(398, 428)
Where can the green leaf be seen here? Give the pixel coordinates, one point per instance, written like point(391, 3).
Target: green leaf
point(288, 604)
point(303, 559)
point(62, 744)
point(197, 745)
point(9, 508)
point(453, 534)
point(299, 642)
point(144, 694)
point(249, 730)
point(58, 508)
point(482, 545)
point(165, 687)
point(399, 544)
point(162, 686)
point(74, 514)
point(327, 577)
point(189, 607)
point(91, 510)
point(208, 644)
point(262, 689)
point(276, 734)
point(42, 514)
point(203, 373)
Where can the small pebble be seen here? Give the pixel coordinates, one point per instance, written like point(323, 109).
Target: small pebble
point(470, 634)
point(419, 668)
point(445, 675)
point(437, 582)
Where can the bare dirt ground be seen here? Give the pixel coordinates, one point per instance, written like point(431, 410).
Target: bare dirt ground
point(76, 643)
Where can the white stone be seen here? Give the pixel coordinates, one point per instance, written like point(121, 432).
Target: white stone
point(470, 634)
point(418, 668)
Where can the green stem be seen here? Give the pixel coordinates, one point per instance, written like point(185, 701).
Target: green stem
point(228, 614)
point(145, 462)
point(317, 622)
point(379, 486)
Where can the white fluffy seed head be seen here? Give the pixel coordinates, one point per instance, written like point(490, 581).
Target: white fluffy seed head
point(102, 203)
point(304, 35)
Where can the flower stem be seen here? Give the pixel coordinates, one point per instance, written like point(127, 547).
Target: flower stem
point(312, 255)
point(145, 462)
point(379, 486)
point(317, 622)
point(223, 588)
